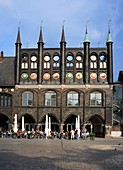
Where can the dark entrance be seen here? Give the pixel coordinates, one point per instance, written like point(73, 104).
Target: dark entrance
point(70, 123)
point(54, 123)
point(96, 125)
point(4, 122)
point(29, 123)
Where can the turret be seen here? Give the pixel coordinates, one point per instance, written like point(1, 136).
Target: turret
point(109, 44)
point(63, 55)
point(40, 55)
point(18, 49)
point(86, 57)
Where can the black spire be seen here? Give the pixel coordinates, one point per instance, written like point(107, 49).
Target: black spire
point(63, 35)
point(18, 36)
point(86, 39)
point(109, 39)
point(40, 36)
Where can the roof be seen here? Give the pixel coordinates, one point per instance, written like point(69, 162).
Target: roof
point(7, 69)
point(120, 77)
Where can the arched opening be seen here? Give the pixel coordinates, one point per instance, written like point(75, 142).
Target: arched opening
point(54, 123)
point(70, 123)
point(4, 123)
point(29, 122)
point(96, 125)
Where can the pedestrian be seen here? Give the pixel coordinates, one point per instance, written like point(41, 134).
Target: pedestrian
point(72, 134)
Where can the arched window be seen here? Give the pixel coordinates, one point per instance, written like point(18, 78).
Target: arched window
point(47, 61)
point(34, 62)
point(56, 61)
point(24, 64)
point(96, 99)
point(79, 61)
point(27, 99)
point(50, 98)
point(102, 61)
point(69, 60)
point(72, 98)
point(93, 61)
point(5, 100)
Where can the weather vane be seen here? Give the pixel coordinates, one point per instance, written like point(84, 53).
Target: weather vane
point(19, 24)
point(87, 23)
point(41, 23)
point(63, 23)
point(109, 25)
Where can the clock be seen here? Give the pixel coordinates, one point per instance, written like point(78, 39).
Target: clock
point(46, 58)
point(79, 58)
point(33, 58)
point(93, 58)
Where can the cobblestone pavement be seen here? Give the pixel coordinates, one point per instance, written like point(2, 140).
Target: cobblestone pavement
point(49, 154)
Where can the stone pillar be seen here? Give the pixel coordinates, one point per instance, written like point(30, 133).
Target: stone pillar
point(108, 131)
point(61, 127)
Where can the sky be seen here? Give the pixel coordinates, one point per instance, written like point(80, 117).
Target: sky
point(51, 14)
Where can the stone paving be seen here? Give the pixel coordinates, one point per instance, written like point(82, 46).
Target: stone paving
point(49, 154)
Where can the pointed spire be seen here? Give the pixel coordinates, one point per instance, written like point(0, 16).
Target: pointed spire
point(40, 36)
point(18, 36)
point(86, 39)
point(109, 39)
point(63, 35)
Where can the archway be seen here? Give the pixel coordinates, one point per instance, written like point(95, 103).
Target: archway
point(54, 123)
point(96, 125)
point(29, 122)
point(70, 123)
point(4, 122)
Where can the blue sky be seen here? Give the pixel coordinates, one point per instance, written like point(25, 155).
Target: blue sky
point(76, 14)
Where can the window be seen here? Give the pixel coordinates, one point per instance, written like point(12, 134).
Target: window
point(46, 65)
point(5, 100)
point(33, 65)
point(102, 64)
point(79, 65)
point(72, 99)
point(33, 62)
point(96, 99)
point(24, 65)
point(69, 64)
point(69, 61)
point(27, 99)
point(93, 64)
point(56, 61)
point(47, 61)
point(102, 61)
point(50, 98)
point(79, 61)
point(55, 64)
point(93, 61)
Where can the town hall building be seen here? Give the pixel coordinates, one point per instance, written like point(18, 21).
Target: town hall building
point(60, 82)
